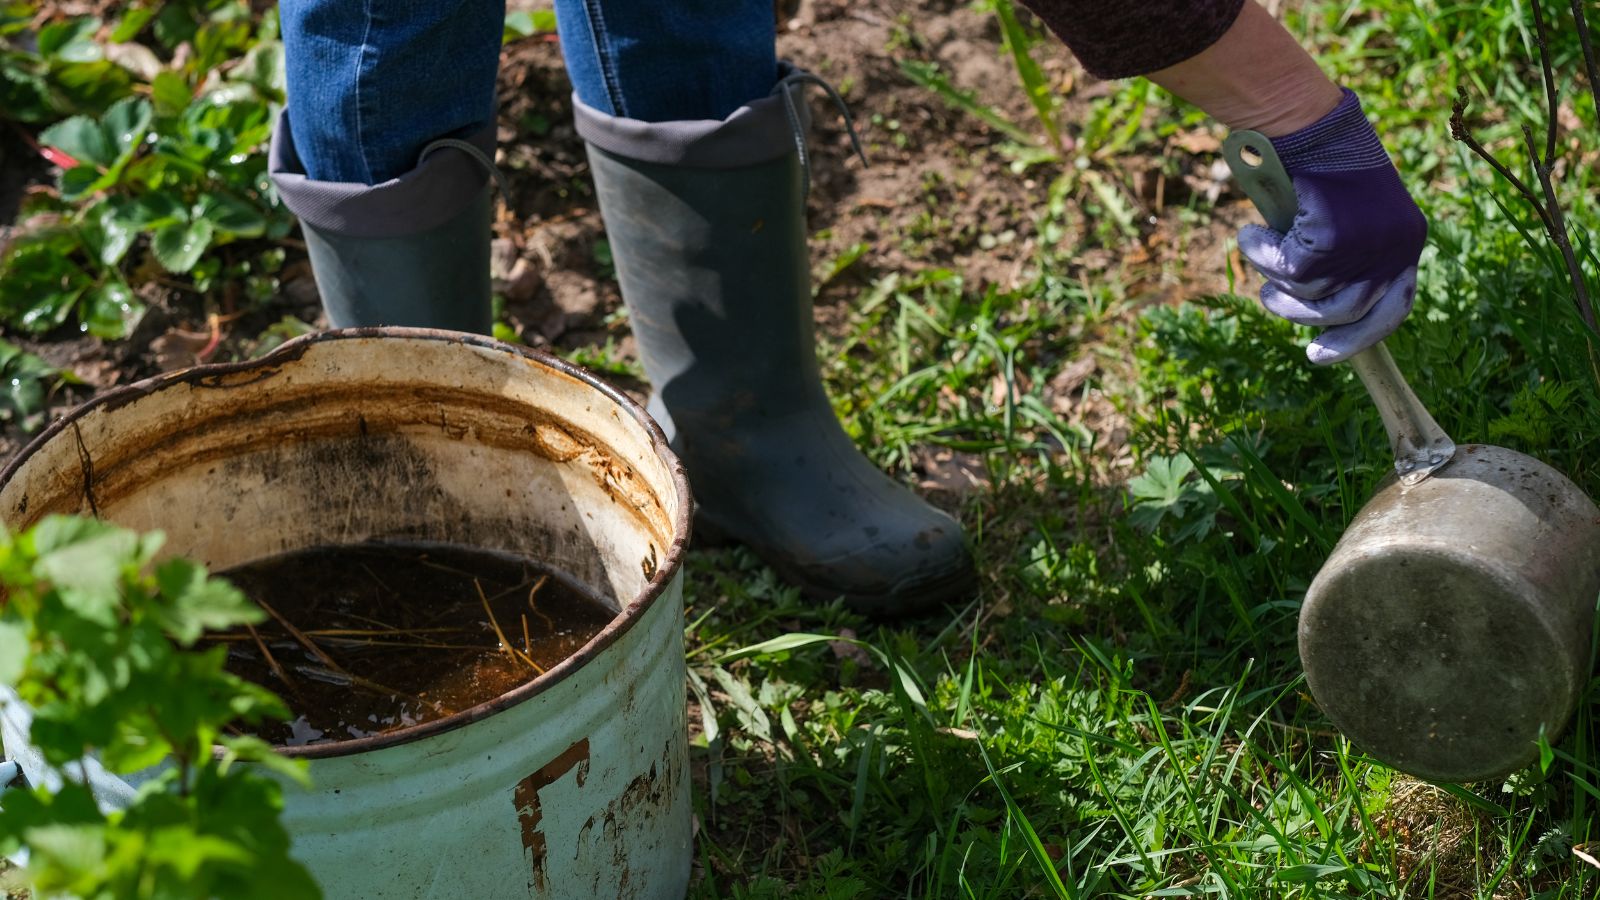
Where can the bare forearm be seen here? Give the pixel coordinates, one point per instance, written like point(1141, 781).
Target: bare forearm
point(1256, 76)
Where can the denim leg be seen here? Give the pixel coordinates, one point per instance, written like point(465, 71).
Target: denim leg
point(659, 61)
point(371, 82)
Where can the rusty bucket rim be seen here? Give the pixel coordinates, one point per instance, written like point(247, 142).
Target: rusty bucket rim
point(293, 350)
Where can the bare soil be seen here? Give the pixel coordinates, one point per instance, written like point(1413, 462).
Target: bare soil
point(937, 192)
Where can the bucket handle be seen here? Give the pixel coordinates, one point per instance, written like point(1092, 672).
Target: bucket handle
point(1419, 445)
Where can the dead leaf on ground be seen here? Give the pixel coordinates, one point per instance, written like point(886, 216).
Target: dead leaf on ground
point(949, 470)
point(998, 389)
point(1066, 382)
point(1199, 142)
point(178, 349)
point(98, 373)
point(1581, 851)
point(846, 649)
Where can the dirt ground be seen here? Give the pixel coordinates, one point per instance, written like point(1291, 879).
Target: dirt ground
point(938, 193)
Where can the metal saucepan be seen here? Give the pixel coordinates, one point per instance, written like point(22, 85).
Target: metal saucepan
point(1452, 621)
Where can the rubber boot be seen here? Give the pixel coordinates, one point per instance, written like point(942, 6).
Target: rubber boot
point(706, 226)
point(413, 250)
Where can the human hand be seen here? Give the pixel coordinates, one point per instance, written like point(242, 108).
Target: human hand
point(1349, 264)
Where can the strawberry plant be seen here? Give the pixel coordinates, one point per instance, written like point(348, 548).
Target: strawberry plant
point(153, 181)
point(58, 70)
point(25, 383)
point(100, 641)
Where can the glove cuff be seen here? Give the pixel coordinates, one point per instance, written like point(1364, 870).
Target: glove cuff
point(1341, 141)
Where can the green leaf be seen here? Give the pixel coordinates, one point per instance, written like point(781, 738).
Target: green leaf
point(232, 215)
point(174, 24)
point(71, 40)
point(1017, 42)
point(178, 246)
point(110, 310)
point(80, 847)
point(171, 94)
point(253, 749)
point(1161, 490)
point(81, 138)
point(156, 208)
point(81, 180)
point(792, 641)
point(25, 96)
point(1306, 873)
point(132, 23)
point(118, 229)
point(125, 124)
point(929, 76)
point(76, 87)
point(13, 651)
point(523, 23)
point(16, 18)
point(51, 308)
point(1034, 845)
point(199, 604)
point(262, 68)
point(22, 384)
point(752, 718)
point(216, 42)
point(41, 281)
point(88, 572)
point(105, 676)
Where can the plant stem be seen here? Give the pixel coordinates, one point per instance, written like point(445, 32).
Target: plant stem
point(1591, 65)
point(1557, 225)
point(1458, 130)
point(1542, 40)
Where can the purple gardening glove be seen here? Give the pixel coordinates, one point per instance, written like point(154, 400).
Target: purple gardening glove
point(1349, 264)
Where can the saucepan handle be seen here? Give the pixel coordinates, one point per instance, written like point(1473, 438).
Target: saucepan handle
point(1420, 446)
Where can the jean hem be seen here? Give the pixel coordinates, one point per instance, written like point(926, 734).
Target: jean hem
point(758, 132)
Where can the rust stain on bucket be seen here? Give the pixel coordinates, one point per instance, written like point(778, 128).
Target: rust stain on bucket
point(529, 813)
point(647, 797)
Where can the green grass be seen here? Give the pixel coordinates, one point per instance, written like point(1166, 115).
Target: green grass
point(1120, 711)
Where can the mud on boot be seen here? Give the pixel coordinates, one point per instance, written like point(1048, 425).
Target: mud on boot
point(706, 221)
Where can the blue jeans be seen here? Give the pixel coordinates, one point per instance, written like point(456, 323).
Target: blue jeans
point(371, 82)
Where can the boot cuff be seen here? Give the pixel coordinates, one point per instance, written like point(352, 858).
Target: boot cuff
point(436, 191)
point(758, 132)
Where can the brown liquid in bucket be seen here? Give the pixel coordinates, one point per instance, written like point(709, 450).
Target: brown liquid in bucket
point(369, 638)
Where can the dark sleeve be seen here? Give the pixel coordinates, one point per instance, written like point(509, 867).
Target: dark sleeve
point(1120, 38)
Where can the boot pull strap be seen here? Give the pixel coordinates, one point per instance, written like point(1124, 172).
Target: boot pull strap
point(471, 150)
point(803, 78)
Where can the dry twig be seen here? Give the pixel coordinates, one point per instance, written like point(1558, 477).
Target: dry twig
point(1546, 202)
point(505, 644)
point(306, 642)
point(534, 592)
point(272, 661)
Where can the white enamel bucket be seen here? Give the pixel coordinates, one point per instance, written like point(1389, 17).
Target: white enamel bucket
point(574, 785)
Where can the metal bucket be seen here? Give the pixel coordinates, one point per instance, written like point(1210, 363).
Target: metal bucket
point(574, 785)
